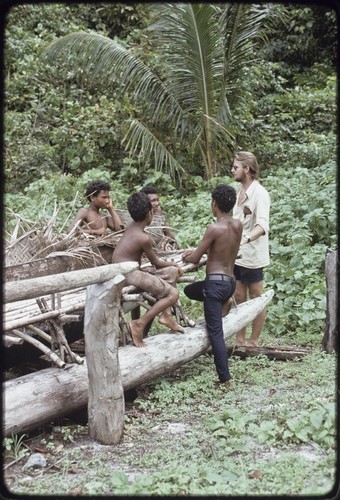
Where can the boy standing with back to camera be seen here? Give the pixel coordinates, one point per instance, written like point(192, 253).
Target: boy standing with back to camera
point(221, 243)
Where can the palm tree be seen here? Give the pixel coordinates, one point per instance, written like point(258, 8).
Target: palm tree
point(183, 117)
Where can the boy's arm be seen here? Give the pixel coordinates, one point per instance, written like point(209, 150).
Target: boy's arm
point(114, 222)
point(194, 256)
point(81, 215)
point(155, 261)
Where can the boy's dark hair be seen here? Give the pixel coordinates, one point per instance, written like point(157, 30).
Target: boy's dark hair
point(94, 188)
point(149, 190)
point(139, 206)
point(225, 197)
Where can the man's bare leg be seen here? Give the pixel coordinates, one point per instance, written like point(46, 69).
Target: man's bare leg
point(240, 337)
point(256, 290)
point(137, 330)
point(166, 318)
point(137, 326)
point(257, 328)
point(240, 296)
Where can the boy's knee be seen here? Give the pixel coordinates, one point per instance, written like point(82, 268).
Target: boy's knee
point(174, 294)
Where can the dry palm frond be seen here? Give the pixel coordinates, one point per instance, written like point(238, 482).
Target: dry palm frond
point(83, 255)
point(31, 241)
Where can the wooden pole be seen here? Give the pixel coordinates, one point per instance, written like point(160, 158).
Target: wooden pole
point(44, 285)
point(39, 318)
point(106, 404)
point(329, 342)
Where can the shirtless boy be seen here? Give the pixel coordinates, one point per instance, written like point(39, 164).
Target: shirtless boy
point(131, 247)
point(92, 219)
point(221, 243)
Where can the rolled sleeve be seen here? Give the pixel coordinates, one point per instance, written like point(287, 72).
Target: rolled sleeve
point(255, 254)
point(262, 212)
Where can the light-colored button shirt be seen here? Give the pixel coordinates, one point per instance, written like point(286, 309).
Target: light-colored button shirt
point(254, 210)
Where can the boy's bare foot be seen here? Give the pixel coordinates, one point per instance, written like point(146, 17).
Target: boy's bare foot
point(136, 333)
point(167, 320)
point(226, 307)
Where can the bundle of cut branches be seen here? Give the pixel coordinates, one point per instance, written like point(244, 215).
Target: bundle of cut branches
point(30, 241)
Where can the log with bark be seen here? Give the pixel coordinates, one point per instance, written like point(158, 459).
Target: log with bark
point(279, 353)
point(36, 287)
point(36, 399)
point(330, 338)
point(50, 265)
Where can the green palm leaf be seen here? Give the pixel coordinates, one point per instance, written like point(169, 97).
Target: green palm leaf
point(203, 49)
point(105, 60)
point(241, 24)
point(191, 41)
point(140, 140)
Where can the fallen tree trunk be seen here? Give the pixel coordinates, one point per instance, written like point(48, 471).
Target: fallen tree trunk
point(36, 287)
point(49, 265)
point(279, 353)
point(36, 399)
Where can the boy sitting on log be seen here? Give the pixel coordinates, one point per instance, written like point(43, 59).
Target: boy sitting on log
point(131, 247)
point(95, 221)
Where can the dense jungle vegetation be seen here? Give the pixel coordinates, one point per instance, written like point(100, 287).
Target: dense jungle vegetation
point(124, 92)
point(66, 122)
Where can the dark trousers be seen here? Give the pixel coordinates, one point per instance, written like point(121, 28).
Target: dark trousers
point(213, 292)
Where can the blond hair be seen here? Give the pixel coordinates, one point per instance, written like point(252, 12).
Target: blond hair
point(249, 160)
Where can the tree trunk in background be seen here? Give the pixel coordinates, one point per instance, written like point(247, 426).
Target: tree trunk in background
point(329, 343)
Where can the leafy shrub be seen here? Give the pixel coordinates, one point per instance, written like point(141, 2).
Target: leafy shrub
point(316, 424)
point(303, 227)
point(63, 192)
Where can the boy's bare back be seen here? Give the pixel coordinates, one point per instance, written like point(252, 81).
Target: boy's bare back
point(132, 245)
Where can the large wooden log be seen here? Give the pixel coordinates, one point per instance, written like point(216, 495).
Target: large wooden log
point(106, 405)
point(35, 399)
point(36, 287)
point(329, 342)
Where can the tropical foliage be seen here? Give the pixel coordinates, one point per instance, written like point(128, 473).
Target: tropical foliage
point(265, 81)
point(184, 115)
point(56, 122)
point(63, 131)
